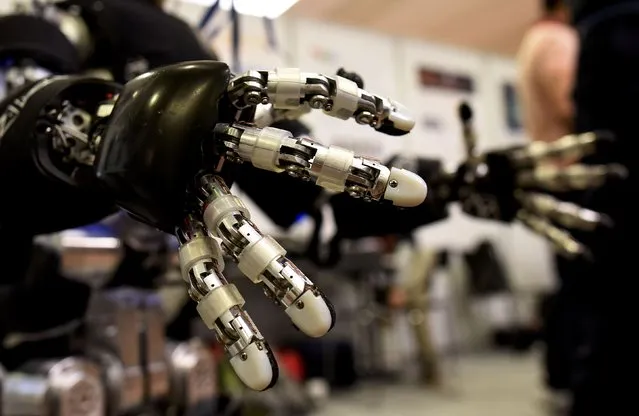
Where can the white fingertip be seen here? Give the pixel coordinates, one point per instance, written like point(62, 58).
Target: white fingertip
point(402, 119)
point(311, 314)
point(405, 188)
point(255, 367)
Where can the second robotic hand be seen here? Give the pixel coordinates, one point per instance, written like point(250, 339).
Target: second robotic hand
point(263, 260)
point(220, 306)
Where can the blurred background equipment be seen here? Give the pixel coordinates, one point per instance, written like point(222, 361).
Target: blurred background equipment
point(194, 386)
point(71, 386)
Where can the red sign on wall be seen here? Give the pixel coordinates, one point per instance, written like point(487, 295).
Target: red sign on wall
point(434, 78)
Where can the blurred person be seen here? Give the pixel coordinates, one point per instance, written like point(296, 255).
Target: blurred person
point(547, 64)
point(603, 356)
point(546, 59)
point(606, 85)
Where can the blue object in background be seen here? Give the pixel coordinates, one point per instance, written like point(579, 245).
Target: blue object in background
point(513, 110)
point(300, 217)
point(97, 230)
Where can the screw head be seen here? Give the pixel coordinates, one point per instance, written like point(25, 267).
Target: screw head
point(316, 102)
point(300, 305)
point(365, 118)
point(253, 98)
point(393, 183)
point(243, 357)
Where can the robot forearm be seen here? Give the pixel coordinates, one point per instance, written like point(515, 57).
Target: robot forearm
point(41, 41)
point(517, 184)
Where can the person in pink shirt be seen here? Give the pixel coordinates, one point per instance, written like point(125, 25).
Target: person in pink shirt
point(547, 64)
point(547, 61)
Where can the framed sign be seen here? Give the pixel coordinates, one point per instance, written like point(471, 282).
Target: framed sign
point(429, 77)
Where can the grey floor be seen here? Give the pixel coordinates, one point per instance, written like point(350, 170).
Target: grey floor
point(476, 386)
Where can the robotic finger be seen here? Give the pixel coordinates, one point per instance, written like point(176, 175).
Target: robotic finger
point(571, 147)
point(220, 305)
point(566, 214)
point(563, 242)
point(540, 212)
point(571, 178)
point(333, 168)
point(263, 260)
point(266, 115)
point(544, 213)
point(290, 90)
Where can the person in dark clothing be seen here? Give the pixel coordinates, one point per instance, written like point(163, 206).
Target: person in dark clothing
point(606, 83)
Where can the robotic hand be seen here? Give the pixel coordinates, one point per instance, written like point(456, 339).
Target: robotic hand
point(164, 148)
point(525, 183)
point(219, 214)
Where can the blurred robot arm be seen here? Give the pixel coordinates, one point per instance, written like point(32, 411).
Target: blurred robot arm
point(515, 184)
point(523, 184)
point(40, 41)
point(518, 184)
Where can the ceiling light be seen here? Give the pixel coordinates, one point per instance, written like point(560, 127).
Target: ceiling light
point(259, 8)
